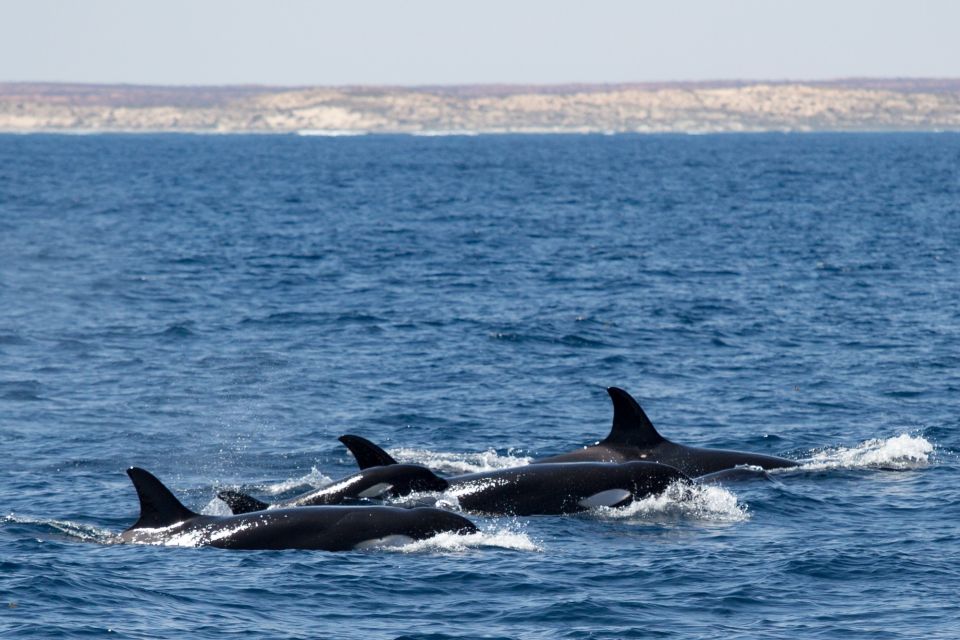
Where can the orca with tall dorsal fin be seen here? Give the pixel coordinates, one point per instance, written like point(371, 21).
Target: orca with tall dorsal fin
point(544, 489)
point(164, 520)
point(633, 437)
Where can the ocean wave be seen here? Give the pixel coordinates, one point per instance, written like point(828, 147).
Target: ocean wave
point(900, 452)
point(70, 530)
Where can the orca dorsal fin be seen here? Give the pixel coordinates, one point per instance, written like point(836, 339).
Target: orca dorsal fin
point(158, 506)
point(367, 454)
point(631, 426)
point(241, 502)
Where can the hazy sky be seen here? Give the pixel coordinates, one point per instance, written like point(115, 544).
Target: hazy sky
point(290, 42)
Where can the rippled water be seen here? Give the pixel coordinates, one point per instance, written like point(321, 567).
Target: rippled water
point(219, 309)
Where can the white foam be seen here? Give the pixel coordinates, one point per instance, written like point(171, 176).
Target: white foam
point(445, 462)
point(899, 452)
point(682, 500)
point(502, 538)
point(315, 478)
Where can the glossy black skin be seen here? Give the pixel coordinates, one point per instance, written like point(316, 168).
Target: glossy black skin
point(548, 489)
point(633, 437)
point(542, 489)
point(163, 518)
point(693, 461)
point(403, 479)
point(328, 528)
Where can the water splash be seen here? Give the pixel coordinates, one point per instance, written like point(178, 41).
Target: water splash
point(510, 537)
point(457, 463)
point(216, 507)
point(681, 499)
point(899, 452)
point(315, 478)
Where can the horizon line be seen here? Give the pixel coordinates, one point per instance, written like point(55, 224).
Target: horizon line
point(723, 82)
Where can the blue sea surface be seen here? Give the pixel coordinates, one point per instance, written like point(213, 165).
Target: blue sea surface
point(218, 309)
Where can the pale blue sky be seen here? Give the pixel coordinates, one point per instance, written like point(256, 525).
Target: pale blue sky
point(446, 42)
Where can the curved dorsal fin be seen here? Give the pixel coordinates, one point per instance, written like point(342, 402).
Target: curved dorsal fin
point(158, 507)
point(631, 426)
point(367, 454)
point(241, 502)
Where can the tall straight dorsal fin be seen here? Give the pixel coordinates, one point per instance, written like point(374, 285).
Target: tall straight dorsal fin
point(158, 506)
point(631, 426)
point(367, 454)
point(241, 502)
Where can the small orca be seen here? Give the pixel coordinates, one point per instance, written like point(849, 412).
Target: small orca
point(164, 519)
point(544, 489)
point(633, 437)
point(374, 482)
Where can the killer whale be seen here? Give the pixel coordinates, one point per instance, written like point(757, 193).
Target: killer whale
point(556, 488)
point(372, 482)
point(163, 519)
point(633, 437)
point(546, 489)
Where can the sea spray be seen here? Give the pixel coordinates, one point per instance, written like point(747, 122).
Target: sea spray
point(681, 500)
point(904, 451)
point(502, 535)
point(460, 463)
point(315, 479)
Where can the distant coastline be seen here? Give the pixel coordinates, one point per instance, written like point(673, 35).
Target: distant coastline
point(672, 107)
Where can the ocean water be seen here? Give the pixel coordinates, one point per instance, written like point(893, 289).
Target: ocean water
point(219, 309)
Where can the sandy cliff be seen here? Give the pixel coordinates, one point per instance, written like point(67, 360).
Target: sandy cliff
point(828, 106)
